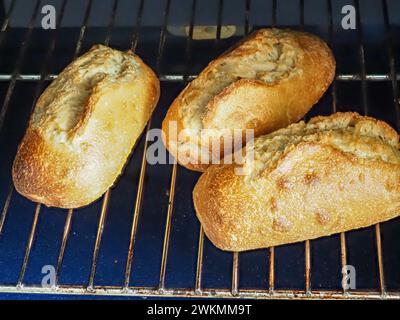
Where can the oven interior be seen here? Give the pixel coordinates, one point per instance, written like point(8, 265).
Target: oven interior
point(143, 238)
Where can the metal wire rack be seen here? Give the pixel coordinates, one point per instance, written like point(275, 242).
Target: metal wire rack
point(197, 269)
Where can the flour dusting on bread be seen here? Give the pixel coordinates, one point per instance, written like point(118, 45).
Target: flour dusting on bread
point(268, 57)
point(63, 104)
point(351, 133)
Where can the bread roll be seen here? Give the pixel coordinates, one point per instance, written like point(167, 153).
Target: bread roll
point(84, 127)
point(306, 181)
point(269, 80)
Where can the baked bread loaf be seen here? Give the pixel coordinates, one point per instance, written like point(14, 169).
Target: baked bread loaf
point(306, 181)
point(84, 127)
point(269, 80)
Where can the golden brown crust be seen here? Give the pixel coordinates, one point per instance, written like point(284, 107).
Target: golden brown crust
point(312, 189)
point(265, 103)
point(71, 164)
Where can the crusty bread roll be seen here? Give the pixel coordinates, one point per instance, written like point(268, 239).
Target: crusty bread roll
point(269, 80)
point(306, 181)
point(84, 127)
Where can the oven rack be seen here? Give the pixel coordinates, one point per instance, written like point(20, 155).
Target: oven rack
point(234, 291)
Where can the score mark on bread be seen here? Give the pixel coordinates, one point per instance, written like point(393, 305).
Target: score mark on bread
point(84, 127)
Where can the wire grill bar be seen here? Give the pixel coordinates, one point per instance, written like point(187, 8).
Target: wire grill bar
point(49, 53)
point(392, 63)
point(68, 221)
point(330, 35)
point(111, 24)
point(219, 21)
point(136, 212)
point(67, 228)
point(206, 293)
point(307, 260)
point(6, 21)
point(182, 77)
point(83, 29)
point(396, 105)
point(99, 235)
point(128, 267)
point(366, 112)
point(167, 231)
point(343, 257)
point(6, 206)
point(236, 255)
point(36, 95)
point(271, 276)
point(235, 274)
point(380, 259)
point(343, 253)
point(198, 289)
point(189, 39)
point(175, 168)
point(199, 268)
point(135, 38)
point(163, 35)
point(307, 248)
point(200, 247)
point(18, 64)
point(29, 246)
point(106, 198)
point(364, 88)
